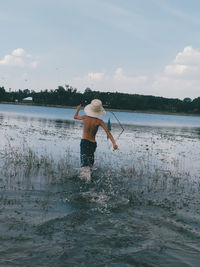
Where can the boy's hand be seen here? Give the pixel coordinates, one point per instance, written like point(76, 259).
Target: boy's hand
point(115, 146)
point(79, 107)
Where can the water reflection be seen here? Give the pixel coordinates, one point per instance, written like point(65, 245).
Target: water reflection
point(63, 123)
point(1, 117)
point(197, 130)
point(177, 131)
point(42, 122)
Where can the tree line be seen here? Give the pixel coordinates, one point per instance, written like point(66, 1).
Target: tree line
point(69, 96)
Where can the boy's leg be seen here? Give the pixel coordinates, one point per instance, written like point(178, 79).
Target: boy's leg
point(84, 156)
point(84, 153)
point(91, 154)
point(85, 174)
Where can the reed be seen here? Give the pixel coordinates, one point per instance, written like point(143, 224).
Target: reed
point(24, 167)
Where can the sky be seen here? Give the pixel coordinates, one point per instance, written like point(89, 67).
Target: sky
point(147, 47)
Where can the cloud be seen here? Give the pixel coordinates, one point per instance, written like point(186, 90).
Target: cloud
point(34, 64)
point(19, 52)
point(175, 69)
point(121, 76)
point(95, 76)
point(173, 87)
point(186, 63)
point(10, 60)
point(188, 56)
point(88, 80)
point(116, 81)
point(19, 58)
point(180, 78)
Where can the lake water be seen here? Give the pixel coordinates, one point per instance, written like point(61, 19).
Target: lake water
point(124, 117)
point(141, 208)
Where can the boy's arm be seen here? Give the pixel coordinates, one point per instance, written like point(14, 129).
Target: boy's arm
point(76, 116)
point(115, 146)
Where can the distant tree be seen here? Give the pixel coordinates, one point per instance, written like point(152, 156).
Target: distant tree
point(187, 100)
point(196, 105)
point(87, 90)
point(2, 93)
point(186, 104)
point(69, 96)
point(26, 92)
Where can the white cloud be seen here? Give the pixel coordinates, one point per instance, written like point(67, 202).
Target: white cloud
point(95, 75)
point(19, 52)
point(175, 69)
point(181, 78)
point(185, 64)
point(34, 64)
point(10, 60)
point(188, 56)
point(117, 81)
point(19, 58)
point(173, 87)
point(121, 76)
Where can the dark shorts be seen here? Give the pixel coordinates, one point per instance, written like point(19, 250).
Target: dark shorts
point(87, 152)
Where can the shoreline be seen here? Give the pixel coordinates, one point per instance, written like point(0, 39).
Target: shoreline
point(109, 109)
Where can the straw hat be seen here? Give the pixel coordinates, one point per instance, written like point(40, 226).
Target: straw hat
point(95, 109)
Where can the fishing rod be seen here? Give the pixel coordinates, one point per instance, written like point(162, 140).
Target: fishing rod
point(109, 124)
point(118, 123)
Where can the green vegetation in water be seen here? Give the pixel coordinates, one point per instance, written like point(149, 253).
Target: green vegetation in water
point(26, 169)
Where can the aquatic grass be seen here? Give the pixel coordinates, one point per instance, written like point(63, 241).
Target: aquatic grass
point(24, 168)
point(19, 165)
point(143, 182)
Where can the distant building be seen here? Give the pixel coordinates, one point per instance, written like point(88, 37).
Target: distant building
point(27, 100)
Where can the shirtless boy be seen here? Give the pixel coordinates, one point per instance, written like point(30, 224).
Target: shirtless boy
point(88, 145)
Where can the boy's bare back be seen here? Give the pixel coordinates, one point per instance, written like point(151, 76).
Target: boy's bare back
point(90, 128)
